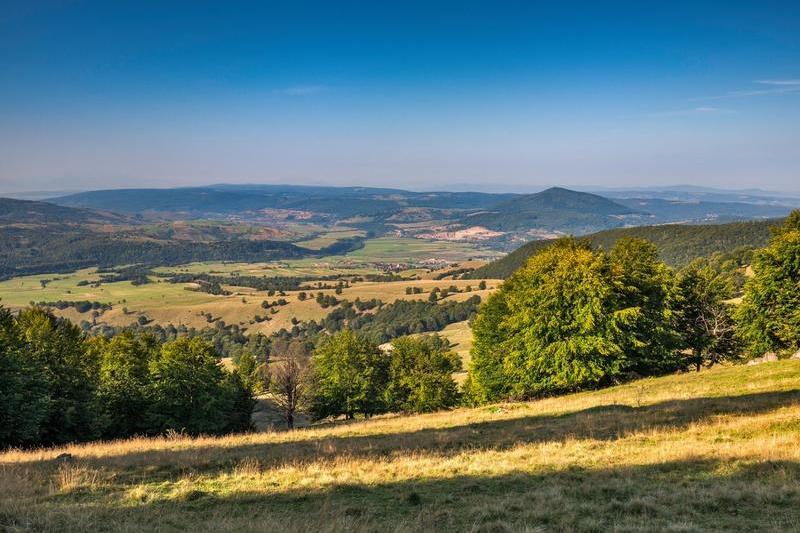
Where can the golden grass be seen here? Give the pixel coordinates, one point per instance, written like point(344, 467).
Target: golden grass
point(694, 452)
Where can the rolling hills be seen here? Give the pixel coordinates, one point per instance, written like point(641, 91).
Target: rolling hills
point(509, 218)
point(712, 451)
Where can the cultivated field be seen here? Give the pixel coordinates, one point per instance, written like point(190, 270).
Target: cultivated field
point(718, 450)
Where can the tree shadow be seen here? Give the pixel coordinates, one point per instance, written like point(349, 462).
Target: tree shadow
point(606, 422)
point(698, 495)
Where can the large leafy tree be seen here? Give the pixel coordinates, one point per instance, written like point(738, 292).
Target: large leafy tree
point(487, 379)
point(704, 318)
point(421, 375)
point(644, 284)
point(24, 395)
point(560, 328)
point(57, 348)
point(122, 402)
point(188, 389)
point(769, 316)
point(349, 375)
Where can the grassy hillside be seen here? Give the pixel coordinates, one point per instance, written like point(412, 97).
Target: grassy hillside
point(677, 244)
point(719, 450)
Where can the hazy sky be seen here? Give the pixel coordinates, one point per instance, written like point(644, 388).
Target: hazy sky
point(426, 95)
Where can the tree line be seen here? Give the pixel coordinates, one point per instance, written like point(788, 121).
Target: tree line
point(577, 317)
point(58, 385)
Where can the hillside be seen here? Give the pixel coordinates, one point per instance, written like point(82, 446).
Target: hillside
point(718, 450)
point(554, 209)
point(30, 212)
point(678, 244)
point(235, 199)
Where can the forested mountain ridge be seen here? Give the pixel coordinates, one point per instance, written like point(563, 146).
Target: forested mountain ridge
point(677, 244)
point(556, 209)
point(14, 211)
point(233, 199)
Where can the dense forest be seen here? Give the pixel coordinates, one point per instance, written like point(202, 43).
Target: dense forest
point(677, 244)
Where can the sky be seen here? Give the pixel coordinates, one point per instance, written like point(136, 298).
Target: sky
point(490, 95)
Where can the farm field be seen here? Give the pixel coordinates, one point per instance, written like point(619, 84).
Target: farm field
point(716, 450)
point(164, 303)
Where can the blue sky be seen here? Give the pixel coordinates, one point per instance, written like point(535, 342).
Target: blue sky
point(426, 95)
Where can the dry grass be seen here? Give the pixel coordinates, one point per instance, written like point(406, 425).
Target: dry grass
point(716, 450)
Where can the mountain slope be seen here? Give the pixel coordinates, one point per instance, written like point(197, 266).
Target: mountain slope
point(14, 211)
point(235, 199)
point(717, 450)
point(677, 244)
point(555, 209)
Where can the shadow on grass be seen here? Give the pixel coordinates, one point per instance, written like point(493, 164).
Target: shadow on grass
point(607, 422)
point(680, 495)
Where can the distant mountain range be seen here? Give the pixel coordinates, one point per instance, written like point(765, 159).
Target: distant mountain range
point(256, 223)
point(511, 218)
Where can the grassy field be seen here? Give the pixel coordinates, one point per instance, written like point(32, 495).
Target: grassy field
point(394, 249)
point(166, 303)
point(328, 238)
point(718, 450)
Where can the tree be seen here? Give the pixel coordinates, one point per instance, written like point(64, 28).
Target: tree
point(287, 381)
point(768, 317)
point(57, 348)
point(645, 286)
point(349, 375)
point(556, 326)
point(487, 380)
point(704, 317)
point(421, 375)
point(188, 389)
point(122, 403)
point(248, 370)
point(24, 395)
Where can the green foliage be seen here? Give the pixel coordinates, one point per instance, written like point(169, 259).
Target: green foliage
point(58, 386)
point(487, 379)
point(122, 402)
point(645, 287)
point(769, 316)
point(574, 318)
point(24, 395)
point(187, 389)
point(561, 328)
point(421, 375)
point(56, 347)
point(704, 318)
point(349, 375)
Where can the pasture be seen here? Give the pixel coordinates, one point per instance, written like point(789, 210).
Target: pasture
point(711, 451)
